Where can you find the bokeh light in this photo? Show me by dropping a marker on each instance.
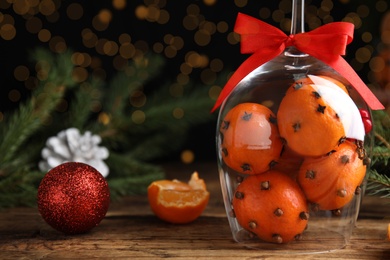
(198, 29)
(119, 4)
(187, 156)
(75, 11)
(21, 73)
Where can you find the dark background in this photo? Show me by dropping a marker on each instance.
(15, 52)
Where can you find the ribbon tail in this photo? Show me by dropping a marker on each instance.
(250, 64)
(342, 67)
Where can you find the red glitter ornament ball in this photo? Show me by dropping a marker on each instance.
(73, 198)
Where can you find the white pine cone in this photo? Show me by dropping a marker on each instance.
(70, 146)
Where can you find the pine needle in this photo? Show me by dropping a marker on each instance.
(124, 84)
(378, 185)
(23, 123)
(132, 144)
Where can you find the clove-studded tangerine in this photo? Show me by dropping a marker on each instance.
(250, 140)
(307, 122)
(330, 182)
(320, 80)
(272, 206)
(289, 162)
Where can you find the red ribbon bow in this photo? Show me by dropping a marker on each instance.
(326, 43)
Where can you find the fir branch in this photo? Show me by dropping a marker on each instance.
(378, 178)
(81, 104)
(123, 133)
(381, 147)
(158, 145)
(381, 121)
(129, 176)
(382, 140)
(56, 69)
(16, 130)
(161, 132)
(131, 145)
(378, 185)
(26, 121)
(380, 154)
(195, 107)
(122, 164)
(158, 117)
(19, 188)
(139, 71)
(18, 182)
(134, 185)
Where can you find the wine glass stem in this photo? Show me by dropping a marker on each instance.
(298, 17)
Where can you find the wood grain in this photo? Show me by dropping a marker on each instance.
(131, 231)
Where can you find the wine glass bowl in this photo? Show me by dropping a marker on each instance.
(267, 86)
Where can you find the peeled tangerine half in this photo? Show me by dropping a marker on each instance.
(251, 142)
(388, 232)
(178, 202)
(316, 115)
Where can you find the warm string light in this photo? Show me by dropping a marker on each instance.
(195, 29)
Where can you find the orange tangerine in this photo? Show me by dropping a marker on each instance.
(319, 79)
(178, 202)
(308, 124)
(272, 206)
(289, 162)
(388, 232)
(330, 182)
(250, 141)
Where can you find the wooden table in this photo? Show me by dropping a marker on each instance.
(131, 231)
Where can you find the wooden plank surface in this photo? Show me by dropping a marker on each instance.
(131, 231)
